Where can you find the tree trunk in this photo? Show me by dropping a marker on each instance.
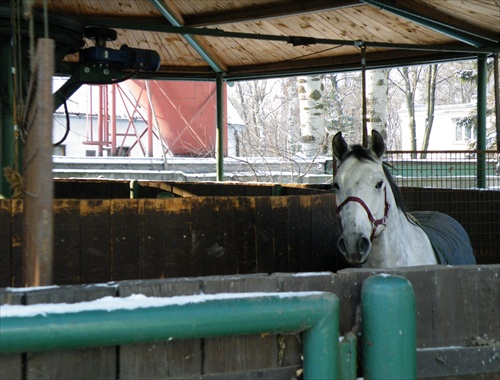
(377, 87)
(291, 105)
(410, 104)
(312, 129)
(431, 100)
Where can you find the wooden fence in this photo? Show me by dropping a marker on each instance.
(457, 327)
(122, 239)
(100, 240)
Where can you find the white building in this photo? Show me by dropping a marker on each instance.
(445, 133)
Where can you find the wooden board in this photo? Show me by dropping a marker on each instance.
(86, 363)
(125, 231)
(240, 353)
(178, 359)
(264, 242)
(67, 242)
(212, 225)
(95, 241)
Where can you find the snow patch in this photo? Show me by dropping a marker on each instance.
(134, 301)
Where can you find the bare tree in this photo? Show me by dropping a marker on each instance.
(410, 78)
(431, 101)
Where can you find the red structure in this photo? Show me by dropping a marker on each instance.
(185, 113)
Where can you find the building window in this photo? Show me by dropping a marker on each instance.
(465, 130)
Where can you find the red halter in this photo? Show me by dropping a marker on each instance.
(375, 222)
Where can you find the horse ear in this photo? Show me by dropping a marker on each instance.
(377, 144)
(339, 146)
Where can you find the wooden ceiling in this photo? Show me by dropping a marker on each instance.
(245, 39)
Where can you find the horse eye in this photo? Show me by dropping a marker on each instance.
(379, 185)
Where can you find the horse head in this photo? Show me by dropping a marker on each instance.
(362, 190)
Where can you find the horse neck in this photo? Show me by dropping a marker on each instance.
(392, 248)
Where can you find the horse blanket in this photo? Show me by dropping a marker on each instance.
(448, 238)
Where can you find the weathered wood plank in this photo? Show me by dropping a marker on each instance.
(264, 235)
(280, 233)
(95, 241)
(87, 363)
(211, 224)
(240, 353)
(157, 360)
(165, 246)
(67, 242)
(448, 308)
(178, 235)
(125, 234)
(300, 234)
(457, 361)
(284, 373)
(481, 296)
(5, 243)
(243, 240)
(325, 231)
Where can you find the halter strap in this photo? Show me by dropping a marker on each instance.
(375, 222)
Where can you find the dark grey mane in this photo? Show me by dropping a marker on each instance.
(364, 154)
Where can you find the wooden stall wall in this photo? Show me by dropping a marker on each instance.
(101, 240)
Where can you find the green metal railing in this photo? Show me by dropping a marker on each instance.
(388, 318)
(316, 314)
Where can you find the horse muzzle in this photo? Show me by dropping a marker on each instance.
(355, 250)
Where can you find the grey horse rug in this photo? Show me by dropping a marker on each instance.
(448, 238)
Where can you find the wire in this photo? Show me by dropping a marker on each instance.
(67, 126)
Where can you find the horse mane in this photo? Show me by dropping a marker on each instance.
(364, 154)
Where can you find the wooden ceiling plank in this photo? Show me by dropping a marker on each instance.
(468, 10)
(430, 21)
(198, 42)
(391, 29)
(261, 12)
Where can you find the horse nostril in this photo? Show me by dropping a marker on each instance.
(363, 245)
(342, 246)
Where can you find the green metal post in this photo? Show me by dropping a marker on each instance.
(348, 357)
(219, 149)
(6, 114)
(315, 313)
(481, 121)
(389, 328)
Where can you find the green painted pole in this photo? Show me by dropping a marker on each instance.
(389, 328)
(219, 148)
(481, 121)
(315, 313)
(348, 365)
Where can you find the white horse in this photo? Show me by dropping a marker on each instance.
(377, 231)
